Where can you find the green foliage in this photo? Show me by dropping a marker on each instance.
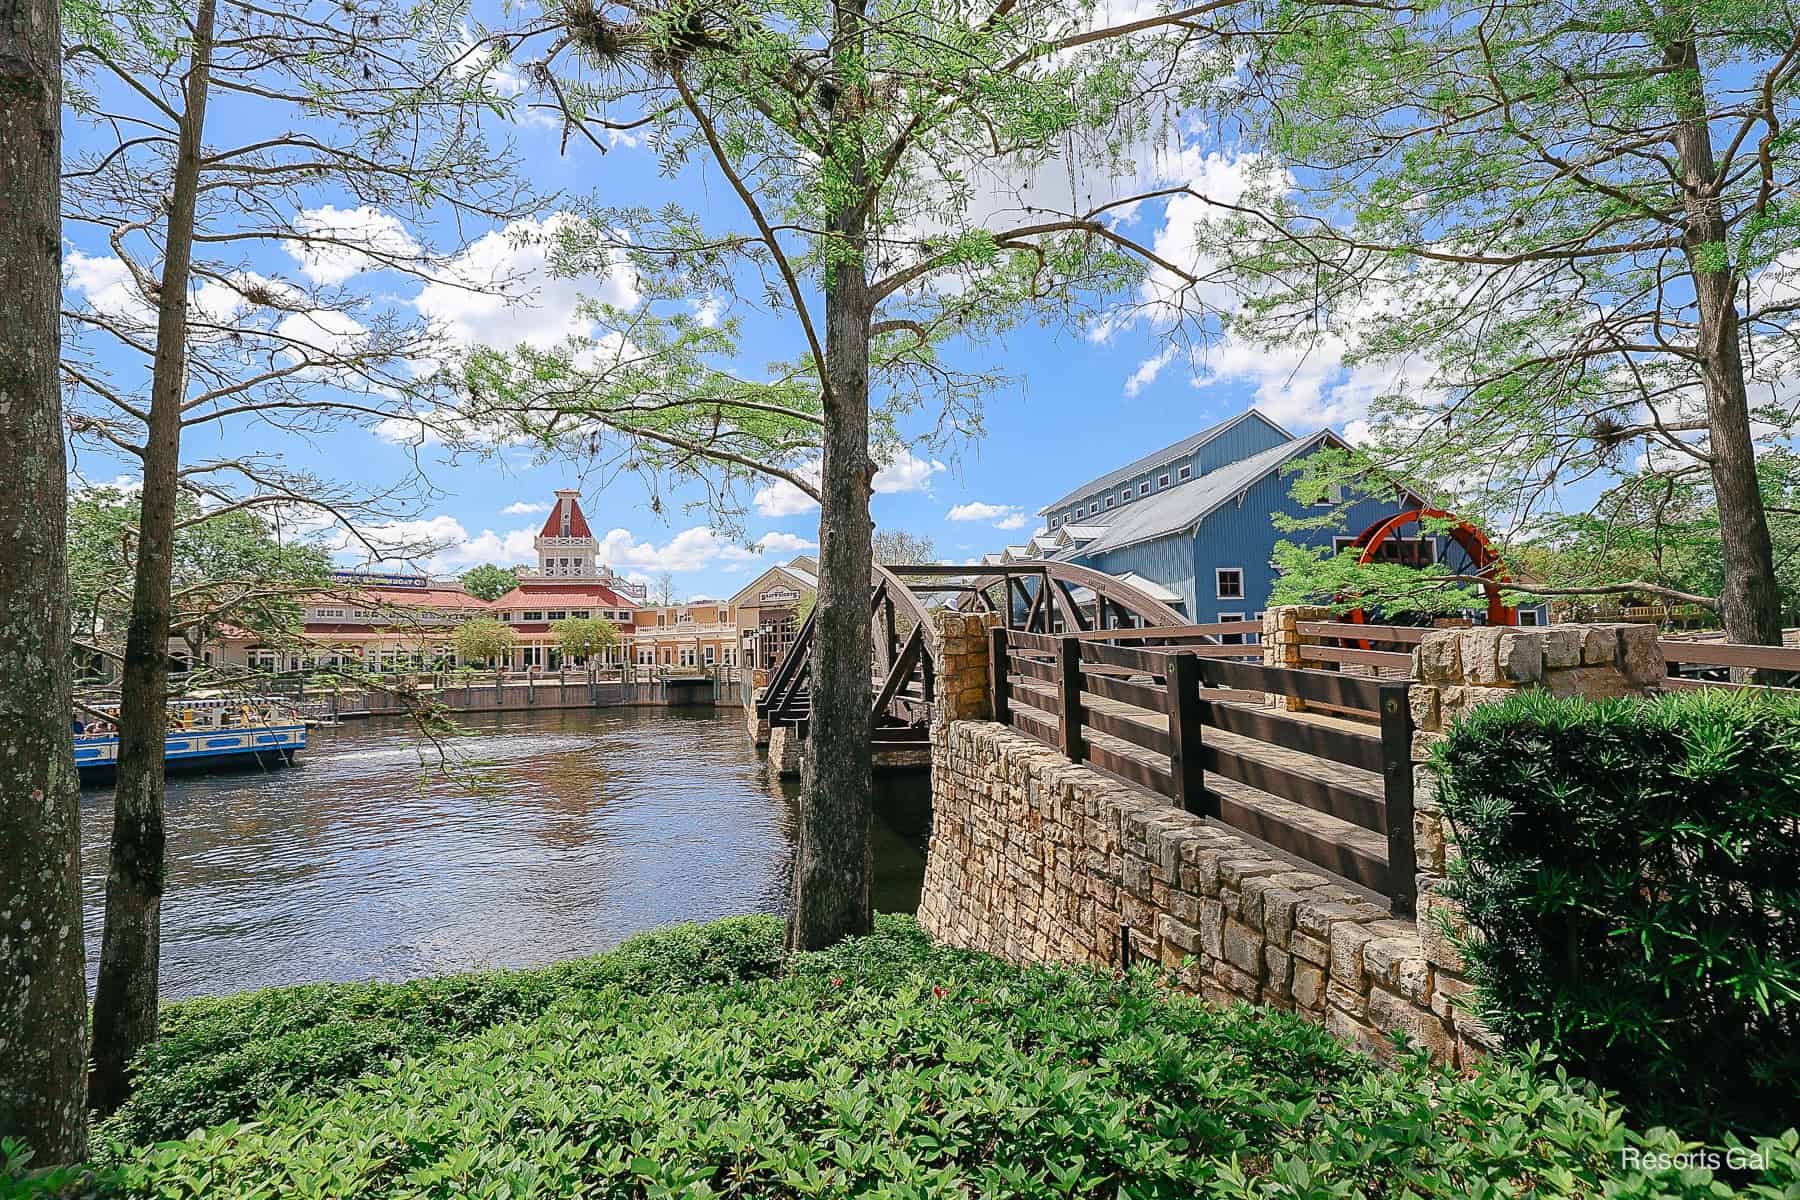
(1478, 211)
(1321, 575)
(687, 1063)
(230, 567)
(1632, 869)
(220, 1059)
(489, 582)
(583, 637)
(483, 640)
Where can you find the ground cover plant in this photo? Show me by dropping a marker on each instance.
(1632, 871)
(687, 1064)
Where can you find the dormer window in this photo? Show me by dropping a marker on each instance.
(1144, 488)
(1162, 481)
(1186, 472)
(1109, 502)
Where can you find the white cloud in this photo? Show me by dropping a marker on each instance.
(521, 508)
(441, 543)
(976, 510)
(905, 473)
(783, 499)
(689, 550)
(784, 543)
(501, 292)
(1002, 516)
(356, 240)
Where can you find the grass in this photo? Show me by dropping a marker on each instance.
(691, 1063)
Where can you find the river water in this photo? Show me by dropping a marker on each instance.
(555, 834)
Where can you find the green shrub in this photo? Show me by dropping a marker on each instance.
(226, 1057)
(1632, 871)
(883, 1068)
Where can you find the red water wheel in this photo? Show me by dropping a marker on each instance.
(1473, 542)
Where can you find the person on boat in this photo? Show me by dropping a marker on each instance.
(78, 727)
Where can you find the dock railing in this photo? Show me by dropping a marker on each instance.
(1142, 713)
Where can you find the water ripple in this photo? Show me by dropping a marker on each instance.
(571, 831)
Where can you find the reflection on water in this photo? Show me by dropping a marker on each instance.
(362, 863)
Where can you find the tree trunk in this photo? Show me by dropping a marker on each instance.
(1751, 599)
(43, 986)
(125, 999)
(832, 865)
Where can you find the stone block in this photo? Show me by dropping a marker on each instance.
(1278, 972)
(1318, 914)
(1382, 957)
(1599, 645)
(1212, 928)
(1347, 942)
(1184, 937)
(1641, 656)
(1562, 647)
(1392, 1013)
(1437, 917)
(1308, 987)
(1423, 700)
(1520, 656)
(1358, 1033)
(1347, 999)
(1438, 657)
(1278, 907)
(1242, 947)
(1591, 683)
(1481, 655)
(1312, 949)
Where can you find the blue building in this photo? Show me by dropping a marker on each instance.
(1194, 519)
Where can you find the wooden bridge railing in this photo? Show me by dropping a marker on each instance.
(1142, 714)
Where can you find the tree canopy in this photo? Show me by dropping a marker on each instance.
(584, 637)
(1551, 242)
(489, 582)
(483, 640)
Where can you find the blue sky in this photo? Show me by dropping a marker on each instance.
(1077, 406)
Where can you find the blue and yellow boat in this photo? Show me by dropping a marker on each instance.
(239, 731)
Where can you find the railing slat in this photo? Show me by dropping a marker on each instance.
(1155, 740)
(1337, 745)
(1327, 687)
(1132, 770)
(1140, 695)
(1343, 858)
(1360, 808)
(1348, 654)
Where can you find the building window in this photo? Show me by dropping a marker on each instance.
(710, 652)
(555, 614)
(1528, 617)
(1331, 495)
(1162, 481)
(1186, 472)
(1144, 488)
(1230, 582)
(1124, 497)
(1053, 522)
(1231, 639)
(1109, 502)
(537, 615)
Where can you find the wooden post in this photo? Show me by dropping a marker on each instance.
(1068, 695)
(1186, 735)
(997, 673)
(1397, 775)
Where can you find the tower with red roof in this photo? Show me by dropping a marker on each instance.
(566, 547)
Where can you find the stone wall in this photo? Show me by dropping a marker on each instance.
(1037, 859)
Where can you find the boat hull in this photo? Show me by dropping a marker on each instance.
(200, 750)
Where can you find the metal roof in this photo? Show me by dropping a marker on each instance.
(1187, 504)
(1185, 446)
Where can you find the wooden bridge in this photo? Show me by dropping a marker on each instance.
(1038, 597)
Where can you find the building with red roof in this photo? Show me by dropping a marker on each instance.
(380, 620)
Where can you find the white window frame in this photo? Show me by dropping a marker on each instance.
(1219, 583)
(1333, 495)
(1124, 497)
(1231, 639)
(1162, 481)
(1531, 624)
(1144, 488)
(1109, 502)
(1186, 472)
